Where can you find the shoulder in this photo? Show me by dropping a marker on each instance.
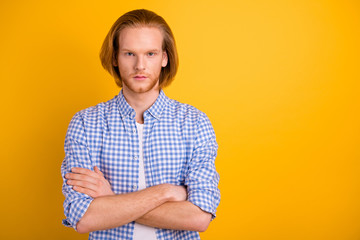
(94, 112)
(186, 111)
(94, 115)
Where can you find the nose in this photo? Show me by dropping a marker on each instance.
(140, 63)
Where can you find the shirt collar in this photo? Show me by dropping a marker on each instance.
(155, 110)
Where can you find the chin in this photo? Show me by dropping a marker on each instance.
(144, 88)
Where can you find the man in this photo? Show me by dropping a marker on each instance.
(140, 166)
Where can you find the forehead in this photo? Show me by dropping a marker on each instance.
(138, 38)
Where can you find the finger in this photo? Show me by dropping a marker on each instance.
(85, 191)
(84, 171)
(96, 169)
(82, 177)
(82, 184)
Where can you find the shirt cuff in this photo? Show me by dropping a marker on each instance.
(206, 200)
(75, 211)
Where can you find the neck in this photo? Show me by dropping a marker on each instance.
(140, 102)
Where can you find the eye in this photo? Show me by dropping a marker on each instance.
(151, 54)
(129, 54)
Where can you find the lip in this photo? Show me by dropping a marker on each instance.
(140, 77)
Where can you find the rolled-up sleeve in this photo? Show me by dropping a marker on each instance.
(202, 179)
(76, 155)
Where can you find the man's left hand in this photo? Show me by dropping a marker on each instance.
(92, 183)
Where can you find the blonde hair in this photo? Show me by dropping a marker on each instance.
(139, 18)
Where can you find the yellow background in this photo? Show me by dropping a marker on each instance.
(278, 79)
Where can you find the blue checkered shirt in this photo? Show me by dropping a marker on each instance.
(179, 148)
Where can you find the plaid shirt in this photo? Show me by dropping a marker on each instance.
(179, 148)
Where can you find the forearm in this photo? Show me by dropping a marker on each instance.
(178, 216)
(113, 211)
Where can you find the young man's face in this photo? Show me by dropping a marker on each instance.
(140, 58)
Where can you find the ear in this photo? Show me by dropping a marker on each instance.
(164, 59)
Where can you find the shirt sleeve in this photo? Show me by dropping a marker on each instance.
(202, 179)
(76, 155)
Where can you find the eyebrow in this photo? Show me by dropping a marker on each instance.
(128, 50)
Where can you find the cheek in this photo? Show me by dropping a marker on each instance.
(124, 66)
(157, 65)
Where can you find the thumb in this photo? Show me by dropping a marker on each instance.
(96, 169)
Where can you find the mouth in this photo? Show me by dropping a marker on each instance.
(140, 77)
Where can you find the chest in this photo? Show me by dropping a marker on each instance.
(166, 152)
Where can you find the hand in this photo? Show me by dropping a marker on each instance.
(175, 193)
(92, 183)
(180, 193)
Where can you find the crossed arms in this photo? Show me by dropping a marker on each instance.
(161, 206)
(91, 205)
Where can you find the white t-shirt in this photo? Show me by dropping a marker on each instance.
(142, 232)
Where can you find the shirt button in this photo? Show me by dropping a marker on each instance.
(134, 131)
(135, 157)
(134, 187)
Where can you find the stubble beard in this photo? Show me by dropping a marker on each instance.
(151, 84)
